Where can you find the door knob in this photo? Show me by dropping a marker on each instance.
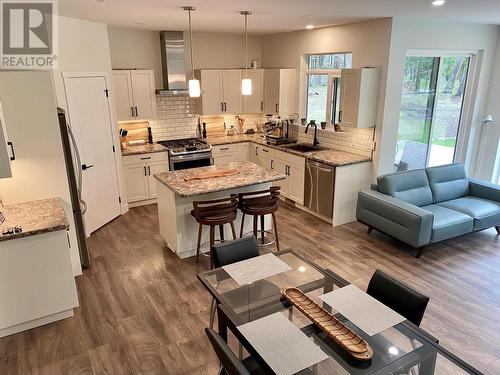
(85, 166)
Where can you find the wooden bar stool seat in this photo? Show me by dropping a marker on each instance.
(259, 204)
(216, 212)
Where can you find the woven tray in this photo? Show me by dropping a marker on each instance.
(212, 174)
(348, 340)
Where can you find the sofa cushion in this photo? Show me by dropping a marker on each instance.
(448, 182)
(448, 223)
(411, 187)
(486, 213)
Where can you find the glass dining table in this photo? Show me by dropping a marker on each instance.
(401, 349)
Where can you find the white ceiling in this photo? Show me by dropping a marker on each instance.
(270, 16)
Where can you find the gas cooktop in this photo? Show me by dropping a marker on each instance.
(186, 146)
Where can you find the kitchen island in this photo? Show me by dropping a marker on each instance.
(176, 195)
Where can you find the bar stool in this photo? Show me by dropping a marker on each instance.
(216, 212)
(258, 204)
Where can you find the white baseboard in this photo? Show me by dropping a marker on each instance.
(36, 323)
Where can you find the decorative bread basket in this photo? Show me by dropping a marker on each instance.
(348, 340)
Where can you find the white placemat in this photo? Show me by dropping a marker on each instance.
(361, 309)
(258, 268)
(284, 347)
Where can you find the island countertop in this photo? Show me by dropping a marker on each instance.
(250, 174)
(34, 217)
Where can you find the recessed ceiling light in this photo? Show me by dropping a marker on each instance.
(310, 27)
(438, 3)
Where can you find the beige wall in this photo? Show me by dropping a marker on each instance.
(141, 49)
(368, 41)
(408, 33)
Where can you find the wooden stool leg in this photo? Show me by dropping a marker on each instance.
(255, 226)
(233, 229)
(276, 231)
(262, 228)
(198, 244)
(212, 241)
(221, 232)
(242, 225)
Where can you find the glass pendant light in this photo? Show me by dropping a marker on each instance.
(246, 83)
(194, 84)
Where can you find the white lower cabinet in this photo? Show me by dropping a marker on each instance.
(224, 154)
(293, 167)
(139, 173)
(244, 151)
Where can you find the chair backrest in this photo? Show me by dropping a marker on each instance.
(263, 201)
(216, 211)
(448, 182)
(398, 296)
(411, 186)
(228, 360)
(229, 252)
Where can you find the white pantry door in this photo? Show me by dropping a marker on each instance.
(89, 117)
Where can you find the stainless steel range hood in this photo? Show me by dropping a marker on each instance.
(173, 63)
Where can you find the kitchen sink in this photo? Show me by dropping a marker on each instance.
(302, 147)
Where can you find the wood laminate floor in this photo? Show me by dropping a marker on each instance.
(142, 310)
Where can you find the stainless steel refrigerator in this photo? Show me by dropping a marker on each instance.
(74, 173)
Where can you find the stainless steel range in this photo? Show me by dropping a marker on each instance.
(188, 153)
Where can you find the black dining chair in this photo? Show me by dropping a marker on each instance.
(229, 252)
(230, 364)
(398, 296)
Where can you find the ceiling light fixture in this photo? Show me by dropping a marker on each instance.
(438, 3)
(310, 27)
(246, 83)
(194, 84)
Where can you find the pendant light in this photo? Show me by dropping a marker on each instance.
(246, 83)
(194, 84)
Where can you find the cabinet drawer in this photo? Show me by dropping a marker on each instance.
(224, 149)
(140, 159)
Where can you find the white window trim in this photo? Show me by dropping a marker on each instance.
(332, 74)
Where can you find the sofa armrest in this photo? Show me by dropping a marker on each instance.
(399, 219)
(485, 190)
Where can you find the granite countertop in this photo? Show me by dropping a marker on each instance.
(250, 174)
(144, 149)
(34, 217)
(336, 158)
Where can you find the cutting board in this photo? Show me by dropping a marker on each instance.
(215, 125)
(137, 131)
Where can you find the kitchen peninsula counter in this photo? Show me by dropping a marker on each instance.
(176, 195)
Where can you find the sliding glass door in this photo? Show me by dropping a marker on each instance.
(431, 110)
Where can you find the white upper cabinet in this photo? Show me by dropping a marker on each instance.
(359, 97)
(254, 103)
(134, 94)
(231, 90)
(280, 91)
(6, 148)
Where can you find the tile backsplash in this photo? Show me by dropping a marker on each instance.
(176, 119)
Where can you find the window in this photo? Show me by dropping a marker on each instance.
(432, 100)
(323, 85)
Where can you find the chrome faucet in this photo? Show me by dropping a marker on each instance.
(315, 140)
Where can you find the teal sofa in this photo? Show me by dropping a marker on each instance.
(425, 206)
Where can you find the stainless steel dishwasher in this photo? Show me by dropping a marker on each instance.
(318, 188)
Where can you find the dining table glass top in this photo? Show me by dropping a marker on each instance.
(397, 350)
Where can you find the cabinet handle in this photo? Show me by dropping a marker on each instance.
(277, 107)
(261, 106)
(265, 150)
(256, 151)
(272, 164)
(222, 107)
(225, 107)
(136, 112)
(13, 157)
(145, 171)
(146, 158)
(149, 170)
(132, 109)
(224, 148)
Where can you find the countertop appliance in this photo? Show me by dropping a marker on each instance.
(319, 188)
(74, 173)
(188, 153)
